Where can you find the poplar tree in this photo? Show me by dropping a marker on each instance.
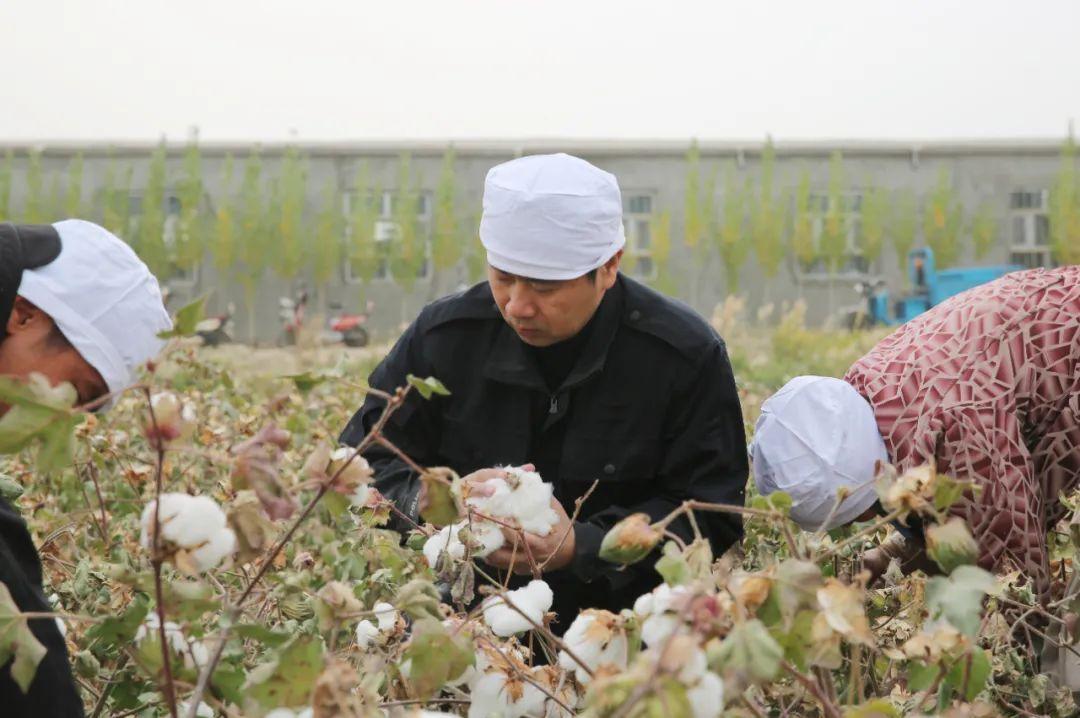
(224, 248)
(984, 228)
(150, 243)
(447, 242)
(905, 227)
(189, 238)
(732, 240)
(251, 244)
(6, 172)
(292, 184)
(407, 251)
(363, 213)
(834, 230)
(326, 242)
(875, 214)
(767, 225)
(35, 189)
(802, 231)
(1065, 207)
(943, 222)
(660, 230)
(73, 206)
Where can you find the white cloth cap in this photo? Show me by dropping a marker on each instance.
(813, 436)
(551, 217)
(103, 298)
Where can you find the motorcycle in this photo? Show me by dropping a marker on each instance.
(340, 328)
(215, 330)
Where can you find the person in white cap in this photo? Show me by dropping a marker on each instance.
(560, 362)
(77, 306)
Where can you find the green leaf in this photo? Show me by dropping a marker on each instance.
(749, 650)
(951, 544)
(879, 708)
(16, 640)
(978, 674)
(958, 597)
(262, 634)
(307, 380)
(186, 319)
(794, 588)
(39, 411)
(672, 566)
(288, 677)
(442, 507)
(922, 675)
(427, 387)
(437, 656)
(10, 489)
(121, 631)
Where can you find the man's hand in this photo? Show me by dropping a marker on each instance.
(558, 546)
(476, 477)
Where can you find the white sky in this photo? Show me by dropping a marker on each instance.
(357, 69)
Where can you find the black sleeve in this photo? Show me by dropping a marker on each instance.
(705, 459)
(52, 692)
(414, 427)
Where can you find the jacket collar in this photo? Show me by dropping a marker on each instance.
(509, 362)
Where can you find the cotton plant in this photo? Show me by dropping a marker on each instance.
(170, 420)
(350, 474)
(599, 640)
(485, 538)
(660, 612)
(533, 600)
(386, 621)
(193, 531)
(194, 653)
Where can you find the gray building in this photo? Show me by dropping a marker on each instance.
(1012, 178)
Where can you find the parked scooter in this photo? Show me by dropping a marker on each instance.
(341, 328)
(215, 330)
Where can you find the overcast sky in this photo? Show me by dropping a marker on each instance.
(356, 69)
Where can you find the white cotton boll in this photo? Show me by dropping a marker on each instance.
(488, 535)
(491, 697)
(533, 600)
(290, 713)
(63, 629)
(707, 697)
(211, 553)
(366, 633)
(387, 616)
(203, 711)
(360, 496)
(171, 505)
(656, 629)
(198, 521)
(644, 604)
(595, 647)
(694, 668)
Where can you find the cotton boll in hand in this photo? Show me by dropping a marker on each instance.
(533, 600)
(523, 497)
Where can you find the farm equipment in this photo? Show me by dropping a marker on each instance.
(929, 287)
(341, 328)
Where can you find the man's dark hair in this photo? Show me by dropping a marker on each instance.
(592, 275)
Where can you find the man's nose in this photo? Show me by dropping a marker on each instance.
(520, 305)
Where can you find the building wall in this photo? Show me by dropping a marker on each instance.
(986, 172)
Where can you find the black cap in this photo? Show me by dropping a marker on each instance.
(22, 246)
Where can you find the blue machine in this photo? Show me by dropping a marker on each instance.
(928, 289)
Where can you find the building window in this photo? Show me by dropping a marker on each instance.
(386, 231)
(849, 212)
(1030, 228)
(637, 222)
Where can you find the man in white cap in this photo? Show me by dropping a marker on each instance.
(561, 362)
(77, 306)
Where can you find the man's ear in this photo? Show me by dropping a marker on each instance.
(610, 270)
(24, 315)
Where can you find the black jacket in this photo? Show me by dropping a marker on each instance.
(650, 410)
(52, 692)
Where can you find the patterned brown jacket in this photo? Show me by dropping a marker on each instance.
(986, 385)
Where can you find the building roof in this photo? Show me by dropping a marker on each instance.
(581, 146)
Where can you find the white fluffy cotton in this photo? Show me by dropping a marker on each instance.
(203, 711)
(290, 713)
(533, 600)
(489, 535)
(524, 498)
(193, 523)
(656, 610)
(491, 697)
(707, 696)
(194, 652)
(594, 645)
(386, 617)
